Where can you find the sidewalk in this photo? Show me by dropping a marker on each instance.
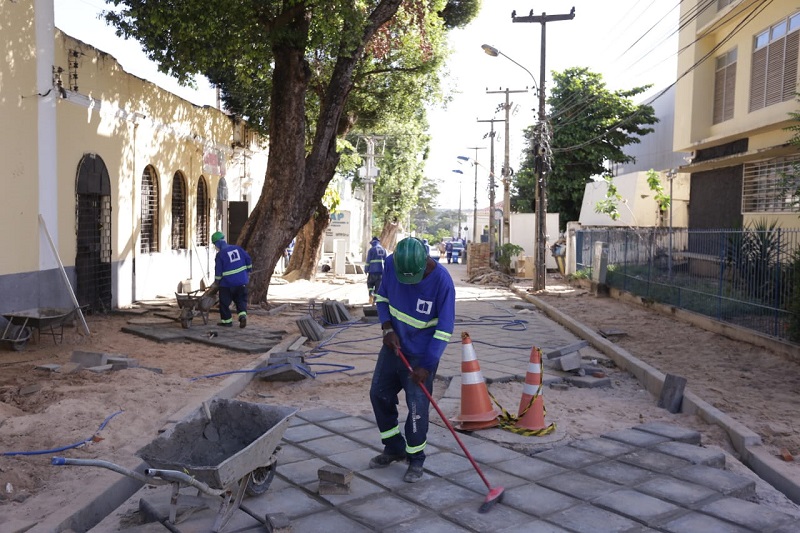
(652, 477)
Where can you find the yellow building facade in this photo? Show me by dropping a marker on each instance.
(738, 81)
(127, 180)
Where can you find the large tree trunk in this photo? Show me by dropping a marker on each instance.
(389, 234)
(296, 179)
(307, 246)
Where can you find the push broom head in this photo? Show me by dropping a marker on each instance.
(495, 496)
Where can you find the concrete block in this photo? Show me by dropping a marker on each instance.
(278, 523)
(87, 359)
(335, 474)
(570, 362)
(121, 363)
(100, 369)
(49, 368)
(29, 389)
(564, 350)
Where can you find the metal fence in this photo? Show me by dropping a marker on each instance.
(748, 277)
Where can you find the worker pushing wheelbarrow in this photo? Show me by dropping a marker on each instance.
(224, 449)
(196, 303)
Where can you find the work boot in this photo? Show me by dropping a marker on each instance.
(414, 473)
(385, 459)
(225, 324)
(243, 321)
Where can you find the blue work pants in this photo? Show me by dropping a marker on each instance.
(390, 377)
(237, 295)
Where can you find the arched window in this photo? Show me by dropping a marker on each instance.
(149, 240)
(202, 212)
(178, 212)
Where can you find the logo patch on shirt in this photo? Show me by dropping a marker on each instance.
(233, 255)
(424, 307)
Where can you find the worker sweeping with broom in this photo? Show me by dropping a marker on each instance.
(416, 306)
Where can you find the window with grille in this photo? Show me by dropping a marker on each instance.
(772, 186)
(149, 222)
(724, 86)
(202, 212)
(178, 212)
(774, 72)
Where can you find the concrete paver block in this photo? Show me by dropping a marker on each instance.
(291, 501)
(585, 519)
(748, 514)
(682, 434)
(579, 485)
(677, 491)
(701, 522)
(335, 474)
(89, 359)
(693, 454)
(359, 489)
(638, 506)
(328, 521)
(381, 511)
(619, 473)
(467, 515)
(728, 483)
(347, 425)
(437, 493)
(569, 362)
(636, 438)
(655, 461)
(604, 447)
(538, 501)
(329, 445)
(570, 457)
(325, 488)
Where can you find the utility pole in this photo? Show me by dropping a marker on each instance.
(475, 202)
(543, 154)
(506, 171)
(491, 192)
(370, 171)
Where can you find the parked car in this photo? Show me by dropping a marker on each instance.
(458, 251)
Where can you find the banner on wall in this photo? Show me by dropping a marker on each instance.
(338, 228)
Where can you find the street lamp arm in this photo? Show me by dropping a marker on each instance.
(494, 52)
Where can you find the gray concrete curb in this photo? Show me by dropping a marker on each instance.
(91, 506)
(746, 442)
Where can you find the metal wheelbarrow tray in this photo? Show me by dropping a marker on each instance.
(38, 318)
(224, 448)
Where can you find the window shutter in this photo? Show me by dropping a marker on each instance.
(790, 65)
(719, 96)
(774, 87)
(758, 79)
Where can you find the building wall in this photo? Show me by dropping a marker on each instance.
(757, 136)
(101, 112)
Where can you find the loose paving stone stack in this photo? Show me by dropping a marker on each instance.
(286, 366)
(309, 328)
(335, 312)
(334, 480)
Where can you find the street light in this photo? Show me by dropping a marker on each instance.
(494, 52)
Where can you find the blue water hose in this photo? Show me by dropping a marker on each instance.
(77, 444)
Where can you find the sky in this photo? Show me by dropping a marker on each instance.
(629, 42)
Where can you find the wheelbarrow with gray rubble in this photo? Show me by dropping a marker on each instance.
(225, 448)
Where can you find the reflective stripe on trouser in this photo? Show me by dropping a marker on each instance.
(228, 295)
(390, 377)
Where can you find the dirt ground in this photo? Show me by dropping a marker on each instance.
(42, 411)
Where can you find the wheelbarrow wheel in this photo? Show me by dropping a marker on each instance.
(19, 339)
(260, 479)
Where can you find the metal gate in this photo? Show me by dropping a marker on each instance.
(93, 258)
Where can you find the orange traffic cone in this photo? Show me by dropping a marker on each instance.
(476, 407)
(531, 406)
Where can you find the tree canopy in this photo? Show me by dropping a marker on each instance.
(302, 71)
(590, 126)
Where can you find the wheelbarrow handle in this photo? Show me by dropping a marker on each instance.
(60, 461)
(182, 477)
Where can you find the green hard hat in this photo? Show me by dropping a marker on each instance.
(218, 236)
(410, 259)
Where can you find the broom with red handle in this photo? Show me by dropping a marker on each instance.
(495, 493)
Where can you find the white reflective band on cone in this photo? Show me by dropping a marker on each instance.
(535, 368)
(471, 378)
(529, 389)
(468, 353)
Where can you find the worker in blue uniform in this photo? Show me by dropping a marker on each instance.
(416, 307)
(232, 268)
(374, 267)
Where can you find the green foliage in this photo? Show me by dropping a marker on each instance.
(654, 182)
(794, 301)
(591, 126)
(755, 256)
(613, 197)
(505, 254)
